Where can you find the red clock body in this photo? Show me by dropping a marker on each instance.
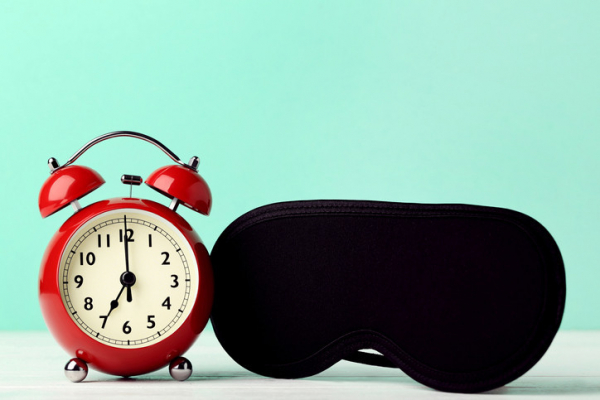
(117, 327)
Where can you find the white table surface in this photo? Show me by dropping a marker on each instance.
(32, 367)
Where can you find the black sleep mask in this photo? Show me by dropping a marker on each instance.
(461, 298)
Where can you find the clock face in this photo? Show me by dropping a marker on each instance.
(128, 278)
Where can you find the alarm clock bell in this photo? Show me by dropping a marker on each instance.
(66, 186)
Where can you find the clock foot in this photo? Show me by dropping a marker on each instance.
(180, 369)
(76, 370)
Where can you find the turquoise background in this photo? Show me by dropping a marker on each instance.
(493, 103)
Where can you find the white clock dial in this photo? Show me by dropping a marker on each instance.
(106, 255)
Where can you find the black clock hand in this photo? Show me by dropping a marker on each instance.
(126, 240)
(113, 304)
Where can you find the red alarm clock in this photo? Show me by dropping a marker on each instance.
(126, 284)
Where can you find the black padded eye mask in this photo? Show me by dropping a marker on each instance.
(461, 298)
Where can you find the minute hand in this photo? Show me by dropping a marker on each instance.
(126, 240)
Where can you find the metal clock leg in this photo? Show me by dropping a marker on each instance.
(180, 369)
(76, 370)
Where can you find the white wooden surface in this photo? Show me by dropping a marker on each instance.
(32, 367)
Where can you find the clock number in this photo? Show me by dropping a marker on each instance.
(126, 328)
(105, 317)
(90, 258)
(100, 240)
(151, 323)
(175, 283)
(166, 261)
(129, 235)
(167, 303)
(149, 240)
(88, 303)
(78, 280)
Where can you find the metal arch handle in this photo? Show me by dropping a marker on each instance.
(115, 134)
